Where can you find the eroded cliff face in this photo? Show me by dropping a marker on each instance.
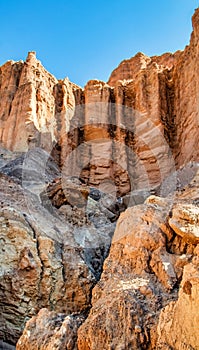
(31, 103)
(186, 106)
(132, 131)
(125, 135)
(173, 94)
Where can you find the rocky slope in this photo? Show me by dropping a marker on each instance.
(72, 160)
(147, 296)
(52, 250)
(153, 246)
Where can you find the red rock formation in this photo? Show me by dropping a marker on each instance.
(128, 69)
(41, 264)
(30, 98)
(186, 99)
(128, 134)
(178, 322)
(175, 102)
(133, 131)
(135, 304)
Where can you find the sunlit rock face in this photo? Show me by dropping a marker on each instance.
(132, 131)
(72, 160)
(147, 297)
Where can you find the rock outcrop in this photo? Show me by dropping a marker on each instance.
(41, 264)
(128, 69)
(30, 97)
(176, 79)
(72, 160)
(147, 295)
(132, 131)
(50, 331)
(51, 257)
(136, 304)
(178, 322)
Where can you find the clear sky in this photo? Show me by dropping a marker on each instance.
(87, 39)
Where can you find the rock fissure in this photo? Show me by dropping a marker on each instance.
(42, 267)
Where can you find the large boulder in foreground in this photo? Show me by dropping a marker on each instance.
(50, 330)
(178, 322)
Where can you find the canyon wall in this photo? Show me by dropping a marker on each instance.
(127, 134)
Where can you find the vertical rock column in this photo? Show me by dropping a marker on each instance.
(96, 133)
(64, 113)
(151, 147)
(27, 105)
(187, 99)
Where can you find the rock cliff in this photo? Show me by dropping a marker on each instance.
(144, 121)
(72, 159)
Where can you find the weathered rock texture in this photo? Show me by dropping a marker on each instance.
(133, 131)
(30, 97)
(125, 135)
(50, 331)
(138, 304)
(172, 100)
(41, 266)
(50, 257)
(147, 297)
(178, 322)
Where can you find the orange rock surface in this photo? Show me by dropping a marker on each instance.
(127, 136)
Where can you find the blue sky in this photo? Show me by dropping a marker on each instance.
(88, 39)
